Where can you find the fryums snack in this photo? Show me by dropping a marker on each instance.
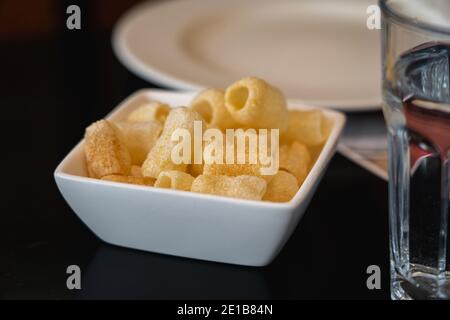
(234, 170)
(210, 104)
(174, 180)
(237, 168)
(139, 138)
(130, 179)
(254, 103)
(159, 158)
(305, 127)
(136, 171)
(195, 169)
(281, 188)
(140, 149)
(105, 151)
(295, 159)
(152, 110)
(245, 187)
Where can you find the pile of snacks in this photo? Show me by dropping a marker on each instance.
(138, 149)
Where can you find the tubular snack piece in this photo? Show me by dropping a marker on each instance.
(239, 169)
(282, 187)
(139, 138)
(196, 169)
(159, 158)
(305, 127)
(136, 171)
(245, 187)
(174, 180)
(254, 103)
(235, 170)
(105, 152)
(295, 159)
(153, 110)
(210, 104)
(130, 179)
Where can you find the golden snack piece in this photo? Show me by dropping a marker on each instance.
(238, 169)
(306, 127)
(282, 187)
(130, 180)
(196, 169)
(210, 104)
(254, 103)
(295, 159)
(139, 138)
(235, 170)
(136, 171)
(174, 180)
(153, 110)
(159, 158)
(244, 187)
(105, 152)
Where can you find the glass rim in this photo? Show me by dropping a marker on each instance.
(410, 22)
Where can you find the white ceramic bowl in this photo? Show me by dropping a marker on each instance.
(182, 223)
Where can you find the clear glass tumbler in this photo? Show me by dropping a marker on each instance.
(416, 106)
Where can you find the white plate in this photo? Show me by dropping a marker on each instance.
(184, 223)
(317, 52)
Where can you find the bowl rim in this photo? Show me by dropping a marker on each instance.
(315, 172)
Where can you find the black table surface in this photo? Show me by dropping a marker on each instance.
(51, 90)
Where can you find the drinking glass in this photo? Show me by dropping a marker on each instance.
(416, 107)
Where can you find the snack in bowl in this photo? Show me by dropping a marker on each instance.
(244, 124)
(159, 157)
(253, 102)
(174, 180)
(130, 179)
(139, 138)
(106, 154)
(210, 104)
(149, 111)
(245, 187)
(233, 217)
(282, 187)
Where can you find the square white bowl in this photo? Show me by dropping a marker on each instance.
(183, 223)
